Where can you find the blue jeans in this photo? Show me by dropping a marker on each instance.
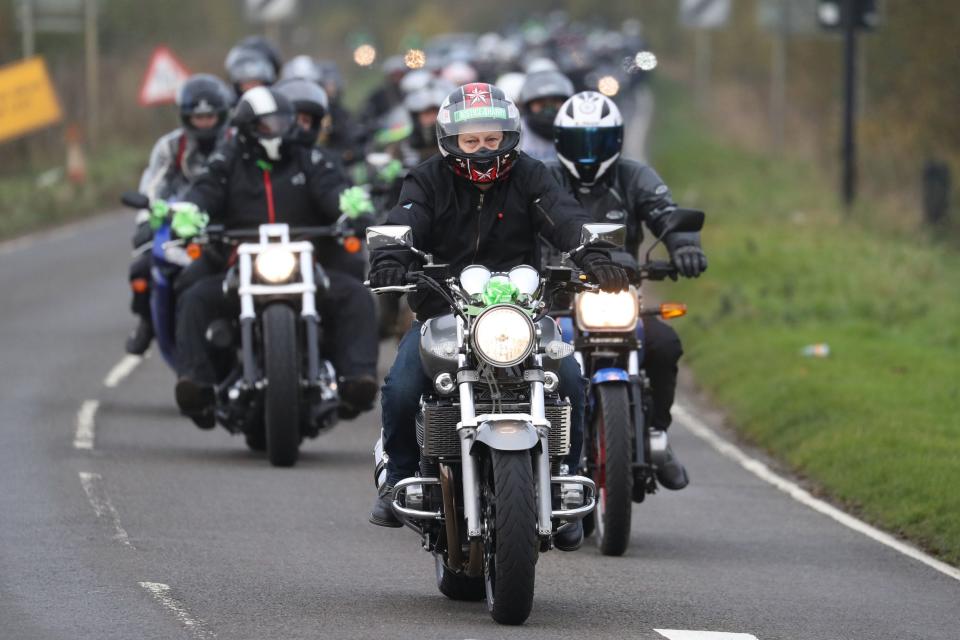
(400, 399)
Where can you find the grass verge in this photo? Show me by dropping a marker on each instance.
(876, 424)
(27, 205)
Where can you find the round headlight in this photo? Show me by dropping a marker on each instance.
(602, 311)
(275, 265)
(503, 335)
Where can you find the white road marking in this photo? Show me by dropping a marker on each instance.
(121, 370)
(100, 501)
(161, 592)
(802, 496)
(85, 425)
(680, 634)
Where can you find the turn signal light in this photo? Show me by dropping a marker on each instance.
(194, 250)
(670, 310)
(139, 285)
(352, 244)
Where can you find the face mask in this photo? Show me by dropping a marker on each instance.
(272, 147)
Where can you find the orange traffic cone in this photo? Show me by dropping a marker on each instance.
(76, 161)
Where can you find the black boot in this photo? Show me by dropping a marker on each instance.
(569, 536)
(382, 514)
(671, 474)
(357, 395)
(196, 401)
(140, 338)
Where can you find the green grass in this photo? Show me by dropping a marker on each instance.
(876, 424)
(25, 206)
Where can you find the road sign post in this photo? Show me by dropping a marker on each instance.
(702, 16)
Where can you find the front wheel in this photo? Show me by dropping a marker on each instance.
(511, 546)
(282, 396)
(613, 468)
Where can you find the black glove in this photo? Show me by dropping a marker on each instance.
(387, 273)
(607, 273)
(685, 253)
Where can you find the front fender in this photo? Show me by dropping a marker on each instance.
(507, 434)
(610, 375)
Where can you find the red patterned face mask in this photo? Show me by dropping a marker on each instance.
(485, 170)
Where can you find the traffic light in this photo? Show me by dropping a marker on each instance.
(833, 14)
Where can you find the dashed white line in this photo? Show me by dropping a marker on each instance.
(161, 592)
(100, 501)
(802, 496)
(83, 439)
(121, 370)
(681, 634)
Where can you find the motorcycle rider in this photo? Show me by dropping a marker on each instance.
(589, 138)
(482, 201)
(261, 176)
(203, 102)
(249, 67)
(540, 98)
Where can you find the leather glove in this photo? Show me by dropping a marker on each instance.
(607, 273)
(387, 273)
(685, 253)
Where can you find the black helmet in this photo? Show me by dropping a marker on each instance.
(204, 94)
(538, 86)
(307, 97)
(266, 48)
(245, 64)
(476, 107)
(264, 118)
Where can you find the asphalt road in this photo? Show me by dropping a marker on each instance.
(159, 530)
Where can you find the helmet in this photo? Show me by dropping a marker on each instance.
(264, 119)
(301, 67)
(459, 73)
(472, 108)
(306, 97)
(538, 86)
(204, 94)
(415, 80)
(588, 134)
(416, 103)
(538, 64)
(330, 78)
(511, 83)
(265, 48)
(244, 64)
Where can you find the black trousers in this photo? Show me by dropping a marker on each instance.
(346, 309)
(661, 353)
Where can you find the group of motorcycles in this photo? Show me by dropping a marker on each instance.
(493, 489)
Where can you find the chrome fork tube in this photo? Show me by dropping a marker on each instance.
(471, 493)
(541, 459)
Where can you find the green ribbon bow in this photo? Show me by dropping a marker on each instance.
(188, 221)
(159, 210)
(355, 202)
(499, 292)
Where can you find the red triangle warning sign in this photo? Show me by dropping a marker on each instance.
(164, 76)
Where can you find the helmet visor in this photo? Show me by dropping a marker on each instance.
(586, 145)
(273, 125)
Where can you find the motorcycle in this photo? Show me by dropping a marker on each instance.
(493, 431)
(276, 389)
(621, 448)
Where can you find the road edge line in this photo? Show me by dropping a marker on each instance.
(85, 431)
(762, 471)
(161, 593)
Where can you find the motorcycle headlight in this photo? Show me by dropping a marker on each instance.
(503, 335)
(601, 311)
(275, 265)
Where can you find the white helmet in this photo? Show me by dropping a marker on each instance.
(588, 134)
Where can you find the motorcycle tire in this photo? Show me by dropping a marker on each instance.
(613, 474)
(281, 406)
(510, 557)
(457, 586)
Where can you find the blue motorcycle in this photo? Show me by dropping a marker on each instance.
(621, 450)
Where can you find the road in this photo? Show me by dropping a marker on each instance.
(119, 519)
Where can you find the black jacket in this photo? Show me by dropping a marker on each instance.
(498, 228)
(305, 185)
(630, 193)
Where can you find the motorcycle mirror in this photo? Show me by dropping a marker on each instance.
(389, 235)
(683, 220)
(605, 235)
(135, 200)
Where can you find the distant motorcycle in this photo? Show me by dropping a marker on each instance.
(493, 431)
(621, 448)
(278, 389)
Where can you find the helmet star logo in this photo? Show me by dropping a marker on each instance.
(478, 96)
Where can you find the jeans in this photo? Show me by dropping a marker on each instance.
(400, 400)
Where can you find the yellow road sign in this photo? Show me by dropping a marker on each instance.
(27, 98)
